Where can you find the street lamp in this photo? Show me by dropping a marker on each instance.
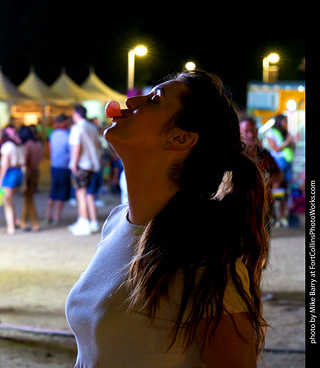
(190, 65)
(139, 51)
(267, 69)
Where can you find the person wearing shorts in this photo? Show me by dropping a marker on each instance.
(81, 178)
(60, 172)
(84, 162)
(12, 159)
(13, 178)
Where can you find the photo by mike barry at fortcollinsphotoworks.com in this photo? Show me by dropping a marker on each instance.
(311, 273)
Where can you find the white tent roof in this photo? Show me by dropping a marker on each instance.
(68, 89)
(94, 84)
(33, 86)
(9, 92)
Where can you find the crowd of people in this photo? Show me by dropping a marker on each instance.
(78, 156)
(21, 153)
(275, 162)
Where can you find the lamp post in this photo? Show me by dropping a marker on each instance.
(140, 51)
(267, 69)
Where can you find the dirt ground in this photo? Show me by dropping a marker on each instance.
(37, 271)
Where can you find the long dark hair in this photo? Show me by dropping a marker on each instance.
(26, 134)
(278, 125)
(216, 218)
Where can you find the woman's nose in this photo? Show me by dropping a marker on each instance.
(129, 103)
(133, 102)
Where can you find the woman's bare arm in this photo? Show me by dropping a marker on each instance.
(232, 344)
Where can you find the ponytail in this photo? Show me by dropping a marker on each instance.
(215, 218)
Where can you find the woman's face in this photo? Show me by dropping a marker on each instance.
(140, 129)
(248, 133)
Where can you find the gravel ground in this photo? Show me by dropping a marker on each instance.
(38, 270)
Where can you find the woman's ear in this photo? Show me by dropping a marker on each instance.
(180, 140)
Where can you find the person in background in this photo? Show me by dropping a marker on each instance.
(175, 281)
(60, 173)
(33, 153)
(95, 183)
(282, 149)
(262, 157)
(11, 176)
(84, 162)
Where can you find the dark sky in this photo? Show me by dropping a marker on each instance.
(229, 41)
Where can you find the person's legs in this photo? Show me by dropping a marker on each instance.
(51, 199)
(33, 213)
(92, 191)
(34, 179)
(25, 210)
(92, 211)
(80, 181)
(59, 209)
(49, 209)
(9, 211)
(81, 194)
(10, 183)
(60, 193)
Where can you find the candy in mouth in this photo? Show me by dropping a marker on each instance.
(113, 109)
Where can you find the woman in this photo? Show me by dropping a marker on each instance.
(282, 149)
(33, 152)
(12, 160)
(175, 280)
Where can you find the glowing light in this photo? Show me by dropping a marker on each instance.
(291, 105)
(190, 65)
(30, 118)
(273, 58)
(140, 50)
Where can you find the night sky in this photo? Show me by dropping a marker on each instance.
(230, 42)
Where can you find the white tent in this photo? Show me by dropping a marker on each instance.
(94, 84)
(9, 92)
(33, 86)
(9, 95)
(68, 89)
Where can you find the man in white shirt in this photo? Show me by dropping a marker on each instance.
(84, 161)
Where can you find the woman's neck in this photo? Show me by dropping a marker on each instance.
(149, 191)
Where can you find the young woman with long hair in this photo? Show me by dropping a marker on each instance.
(11, 176)
(175, 281)
(282, 146)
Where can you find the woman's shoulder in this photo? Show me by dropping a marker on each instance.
(8, 147)
(116, 219)
(233, 301)
(117, 211)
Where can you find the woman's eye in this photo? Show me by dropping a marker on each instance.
(154, 99)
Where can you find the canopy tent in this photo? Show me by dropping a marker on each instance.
(33, 86)
(94, 84)
(33, 99)
(9, 92)
(9, 95)
(69, 90)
